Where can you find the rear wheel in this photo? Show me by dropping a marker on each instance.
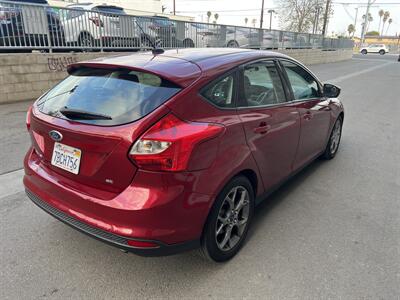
(334, 140)
(382, 52)
(229, 220)
(363, 51)
(232, 44)
(188, 43)
(86, 41)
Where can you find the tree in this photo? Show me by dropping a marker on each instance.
(300, 15)
(386, 16)
(351, 29)
(246, 20)
(389, 22)
(372, 33)
(216, 16)
(367, 21)
(254, 21)
(208, 16)
(380, 13)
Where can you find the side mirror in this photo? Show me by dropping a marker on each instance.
(331, 91)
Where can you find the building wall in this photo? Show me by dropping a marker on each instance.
(27, 76)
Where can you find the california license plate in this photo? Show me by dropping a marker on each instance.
(66, 158)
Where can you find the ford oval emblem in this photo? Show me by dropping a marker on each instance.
(55, 135)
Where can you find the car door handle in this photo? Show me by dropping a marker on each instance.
(262, 128)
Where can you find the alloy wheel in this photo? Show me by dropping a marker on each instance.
(335, 137)
(232, 218)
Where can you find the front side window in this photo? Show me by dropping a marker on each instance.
(106, 96)
(262, 84)
(220, 92)
(303, 84)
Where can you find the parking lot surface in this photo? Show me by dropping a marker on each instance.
(333, 231)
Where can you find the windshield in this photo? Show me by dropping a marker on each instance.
(123, 95)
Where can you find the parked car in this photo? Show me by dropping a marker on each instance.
(159, 30)
(375, 48)
(29, 23)
(92, 25)
(161, 153)
(234, 37)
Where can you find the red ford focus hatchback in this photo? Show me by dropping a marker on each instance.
(157, 154)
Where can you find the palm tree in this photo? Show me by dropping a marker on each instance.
(370, 19)
(386, 16)
(389, 22)
(254, 21)
(350, 29)
(216, 16)
(380, 13)
(208, 16)
(246, 20)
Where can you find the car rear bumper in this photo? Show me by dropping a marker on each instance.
(145, 211)
(113, 239)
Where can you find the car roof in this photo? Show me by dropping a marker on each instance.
(183, 66)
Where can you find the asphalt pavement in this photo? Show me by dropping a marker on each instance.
(333, 231)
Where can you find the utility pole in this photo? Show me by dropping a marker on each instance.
(174, 8)
(270, 11)
(328, 3)
(370, 2)
(355, 21)
(262, 14)
(316, 20)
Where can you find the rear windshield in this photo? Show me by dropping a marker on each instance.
(163, 22)
(122, 95)
(110, 9)
(31, 1)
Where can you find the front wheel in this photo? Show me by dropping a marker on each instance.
(229, 220)
(382, 52)
(364, 51)
(334, 140)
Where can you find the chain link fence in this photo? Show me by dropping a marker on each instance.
(88, 27)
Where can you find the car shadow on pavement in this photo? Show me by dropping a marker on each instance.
(281, 194)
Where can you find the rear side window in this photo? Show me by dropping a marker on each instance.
(220, 92)
(122, 95)
(262, 84)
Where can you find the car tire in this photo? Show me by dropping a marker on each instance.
(188, 43)
(334, 140)
(232, 44)
(228, 221)
(364, 51)
(382, 52)
(86, 40)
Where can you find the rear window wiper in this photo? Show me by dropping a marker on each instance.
(78, 114)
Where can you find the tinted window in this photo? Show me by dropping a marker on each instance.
(31, 1)
(221, 92)
(124, 95)
(303, 83)
(110, 9)
(78, 11)
(262, 84)
(163, 22)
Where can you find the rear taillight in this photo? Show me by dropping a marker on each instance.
(97, 21)
(28, 118)
(168, 144)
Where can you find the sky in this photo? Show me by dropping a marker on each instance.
(234, 12)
